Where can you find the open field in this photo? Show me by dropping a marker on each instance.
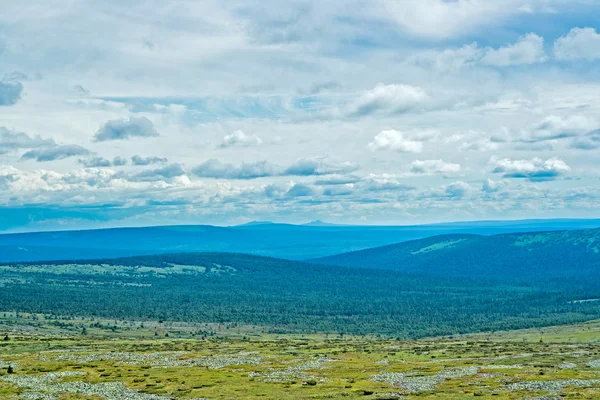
(50, 358)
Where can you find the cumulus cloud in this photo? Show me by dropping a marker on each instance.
(314, 166)
(139, 160)
(449, 59)
(396, 141)
(529, 49)
(534, 170)
(12, 141)
(441, 19)
(120, 129)
(95, 162)
(556, 127)
(216, 169)
(119, 161)
(383, 183)
(430, 167)
(10, 92)
(337, 180)
(318, 166)
(590, 141)
(457, 189)
(53, 153)
(391, 99)
(240, 139)
(578, 44)
(300, 190)
(339, 190)
(490, 186)
(166, 173)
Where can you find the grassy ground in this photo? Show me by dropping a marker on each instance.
(50, 358)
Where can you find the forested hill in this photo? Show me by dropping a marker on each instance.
(289, 296)
(539, 255)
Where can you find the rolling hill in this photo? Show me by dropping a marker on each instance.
(297, 242)
(537, 255)
(289, 296)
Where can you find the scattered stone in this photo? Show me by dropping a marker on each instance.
(415, 384)
(552, 387)
(293, 373)
(48, 383)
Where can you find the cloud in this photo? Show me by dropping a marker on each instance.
(120, 129)
(96, 162)
(429, 167)
(555, 127)
(578, 44)
(160, 174)
(339, 190)
(442, 19)
(534, 170)
(396, 141)
(139, 160)
(300, 190)
(449, 59)
(215, 169)
(383, 183)
(542, 135)
(119, 161)
(240, 139)
(337, 180)
(316, 166)
(391, 99)
(490, 186)
(458, 189)
(12, 141)
(320, 87)
(529, 49)
(53, 153)
(10, 93)
(590, 141)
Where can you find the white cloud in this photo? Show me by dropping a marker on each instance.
(316, 166)
(121, 129)
(56, 152)
(529, 49)
(396, 141)
(10, 92)
(557, 127)
(578, 44)
(13, 141)
(458, 189)
(392, 99)
(240, 139)
(139, 160)
(434, 167)
(535, 169)
(440, 19)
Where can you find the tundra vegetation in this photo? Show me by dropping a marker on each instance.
(48, 357)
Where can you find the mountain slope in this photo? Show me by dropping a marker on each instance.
(543, 255)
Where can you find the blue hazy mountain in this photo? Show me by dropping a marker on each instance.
(534, 255)
(313, 240)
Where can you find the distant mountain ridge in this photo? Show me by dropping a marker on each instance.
(551, 254)
(296, 242)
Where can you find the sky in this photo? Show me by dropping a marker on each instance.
(144, 112)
